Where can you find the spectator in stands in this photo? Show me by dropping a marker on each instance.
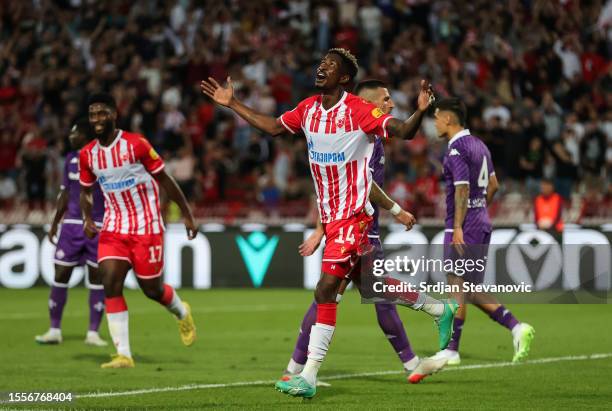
(548, 208)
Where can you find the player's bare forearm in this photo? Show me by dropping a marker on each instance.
(406, 130)
(380, 198)
(86, 202)
(61, 204)
(492, 188)
(260, 121)
(174, 192)
(462, 192)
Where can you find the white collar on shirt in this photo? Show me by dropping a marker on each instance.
(464, 132)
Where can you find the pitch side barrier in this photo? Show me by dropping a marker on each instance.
(259, 256)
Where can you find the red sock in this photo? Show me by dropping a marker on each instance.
(115, 304)
(166, 298)
(409, 297)
(326, 313)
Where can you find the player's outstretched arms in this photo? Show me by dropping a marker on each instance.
(310, 245)
(492, 188)
(61, 204)
(379, 197)
(176, 194)
(224, 96)
(86, 203)
(407, 129)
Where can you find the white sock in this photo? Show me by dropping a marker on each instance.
(55, 331)
(310, 371)
(412, 363)
(320, 338)
(294, 367)
(515, 330)
(176, 306)
(338, 297)
(119, 331)
(433, 307)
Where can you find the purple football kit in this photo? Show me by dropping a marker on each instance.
(468, 161)
(73, 246)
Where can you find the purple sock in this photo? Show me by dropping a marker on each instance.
(57, 300)
(457, 328)
(391, 324)
(301, 346)
(96, 308)
(504, 317)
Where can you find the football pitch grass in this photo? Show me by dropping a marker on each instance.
(245, 338)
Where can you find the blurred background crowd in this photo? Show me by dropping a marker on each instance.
(535, 75)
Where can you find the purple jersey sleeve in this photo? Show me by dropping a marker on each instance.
(458, 167)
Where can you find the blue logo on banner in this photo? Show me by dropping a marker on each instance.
(257, 251)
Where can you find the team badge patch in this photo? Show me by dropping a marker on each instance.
(340, 123)
(342, 250)
(153, 154)
(376, 113)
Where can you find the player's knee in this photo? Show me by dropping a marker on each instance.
(62, 275)
(325, 293)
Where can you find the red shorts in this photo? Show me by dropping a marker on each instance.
(345, 242)
(144, 252)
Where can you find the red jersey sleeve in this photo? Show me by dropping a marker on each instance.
(146, 154)
(370, 118)
(293, 120)
(86, 175)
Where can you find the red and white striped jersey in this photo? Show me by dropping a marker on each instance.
(339, 150)
(124, 170)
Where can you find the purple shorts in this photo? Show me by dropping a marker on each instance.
(477, 248)
(74, 248)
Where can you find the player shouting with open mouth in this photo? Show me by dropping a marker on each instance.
(337, 126)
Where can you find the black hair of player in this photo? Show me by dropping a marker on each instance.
(371, 84)
(82, 125)
(102, 98)
(455, 106)
(349, 62)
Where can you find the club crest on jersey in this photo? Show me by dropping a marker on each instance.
(342, 250)
(310, 144)
(340, 123)
(376, 113)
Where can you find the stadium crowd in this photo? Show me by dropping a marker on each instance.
(535, 76)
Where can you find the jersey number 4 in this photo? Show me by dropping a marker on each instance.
(483, 176)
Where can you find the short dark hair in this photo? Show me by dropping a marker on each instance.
(82, 125)
(455, 106)
(371, 84)
(349, 61)
(102, 98)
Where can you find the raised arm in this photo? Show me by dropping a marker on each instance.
(224, 96)
(407, 129)
(174, 192)
(379, 197)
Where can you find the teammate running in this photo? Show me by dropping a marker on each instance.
(337, 126)
(129, 172)
(470, 186)
(390, 323)
(73, 248)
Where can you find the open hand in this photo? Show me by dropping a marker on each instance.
(426, 95)
(218, 94)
